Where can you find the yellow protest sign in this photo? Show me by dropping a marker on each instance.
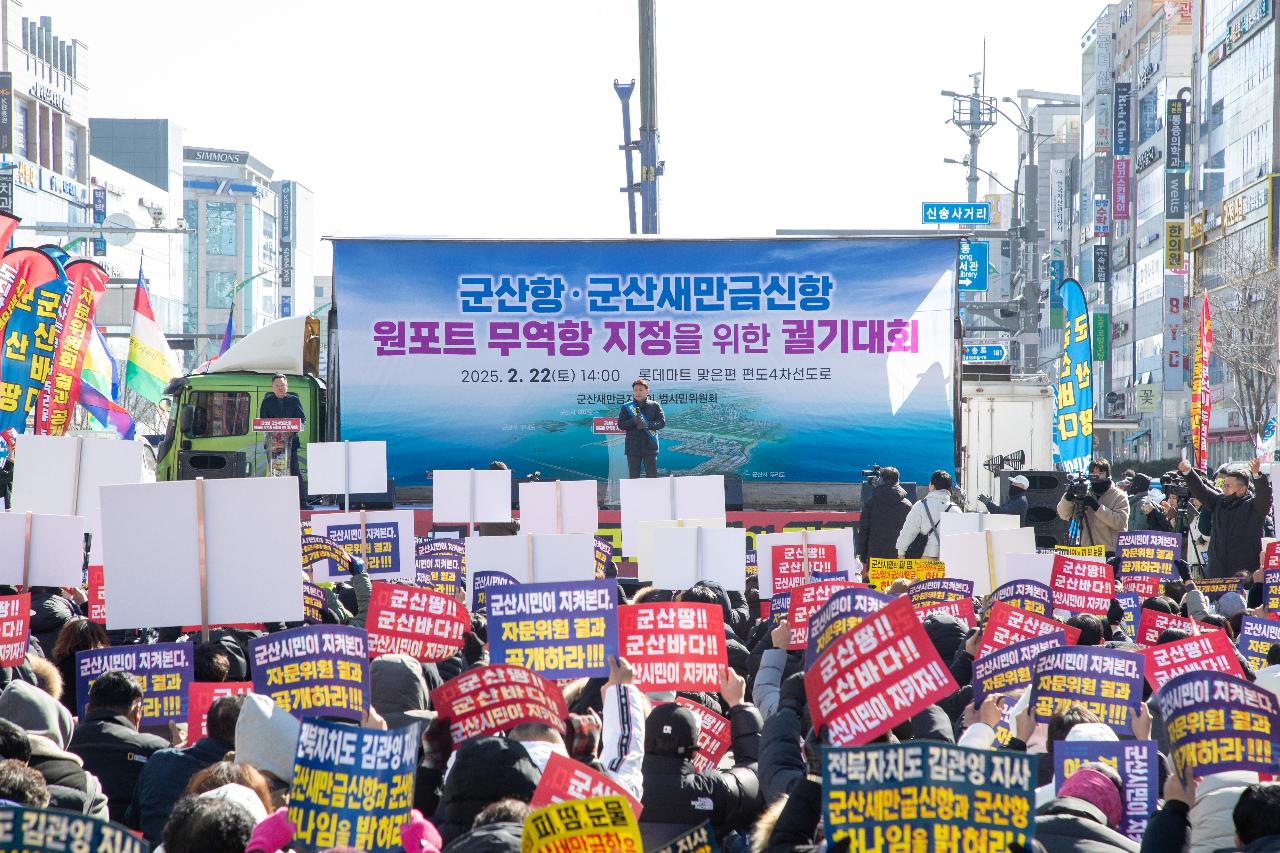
(603, 824)
(1081, 550)
(881, 572)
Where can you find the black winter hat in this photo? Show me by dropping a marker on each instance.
(485, 770)
(947, 633)
(1140, 483)
(671, 730)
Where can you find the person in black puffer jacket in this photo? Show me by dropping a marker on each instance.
(882, 517)
(485, 770)
(1238, 516)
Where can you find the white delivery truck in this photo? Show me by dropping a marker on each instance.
(1006, 425)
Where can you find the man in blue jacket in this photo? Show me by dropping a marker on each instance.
(641, 419)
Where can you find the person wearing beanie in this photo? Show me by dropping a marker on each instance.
(676, 797)
(266, 736)
(484, 770)
(1015, 503)
(1086, 814)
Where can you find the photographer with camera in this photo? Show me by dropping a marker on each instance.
(1015, 504)
(882, 516)
(1099, 505)
(1237, 517)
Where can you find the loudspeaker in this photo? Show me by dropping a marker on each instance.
(375, 500)
(212, 465)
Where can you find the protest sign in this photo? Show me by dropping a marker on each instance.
(603, 555)
(975, 522)
(775, 609)
(1146, 586)
(714, 736)
(388, 547)
(1271, 553)
(753, 563)
(674, 646)
(62, 475)
(647, 533)
(559, 506)
(565, 779)
(316, 549)
(422, 623)
(603, 824)
(1007, 625)
(873, 677)
(789, 564)
(843, 611)
(959, 608)
(1218, 722)
(1152, 623)
(1257, 636)
(346, 467)
(544, 558)
(1136, 762)
(700, 839)
(985, 556)
(1271, 592)
(492, 699)
(352, 787)
(200, 698)
(162, 670)
(1010, 668)
(925, 795)
(1148, 552)
(96, 606)
(803, 602)
(471, 497)
(54, 555)
(882, 572)
(679, 557)
(1082, 586)
(938, 590)
(1031, 596)
(314, 671)
(1210, 652)
(313, 603)
(1215, 588)
(1026, 567)
(1131, 604)
(1106, 681)
(252, 552)
(768, 550)
(558, 630)
(31, 830)
(1096, 551)
(15, 628)
(667, 499)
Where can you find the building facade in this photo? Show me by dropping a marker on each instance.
(297, 241)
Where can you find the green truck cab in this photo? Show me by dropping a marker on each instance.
(210, 431)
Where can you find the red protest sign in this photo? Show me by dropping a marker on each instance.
(421, 623)
(277, 425)
(15, 628)
(961, 608)
(713, 735)
(565, 779)
(1007, 625)
(200, 697)
(1209, 652)
(1152, 623)
(788, 564)
(875, 676)
(1271, 555)
(674, 646)
(490, 700)
(1082, 586)
(96, 606)
(1146, 586)
(805, 601)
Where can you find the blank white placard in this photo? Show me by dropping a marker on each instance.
(966, 557)
(682, 556)
(699, 497)
(645, 532)
(952, 523)
(841, 537)
(1004, 543)
(327, 467)
(563, 557)
(57, 549)
(322, 523)
(452, 500)
(578, 507)
(506, 554)
(1025, 567)
(253, 553)
(643, 499)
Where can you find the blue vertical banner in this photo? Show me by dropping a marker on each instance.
(1073, 391)
(971, 267)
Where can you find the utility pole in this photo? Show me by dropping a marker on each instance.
(974, 114)
(624, 91)
(650, 167)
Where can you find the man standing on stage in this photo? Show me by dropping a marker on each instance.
(641, 419)
(281, 404)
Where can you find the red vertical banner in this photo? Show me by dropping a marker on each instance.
(75, 325)
(97, 594)
(1201, 399)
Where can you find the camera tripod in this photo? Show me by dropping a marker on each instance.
(1079, 520)
(1182, 526)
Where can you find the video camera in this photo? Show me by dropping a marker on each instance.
(1077, 487)
(872, 474)
(1174, 485)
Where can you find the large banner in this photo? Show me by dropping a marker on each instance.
(1073, 394)
(753, 348)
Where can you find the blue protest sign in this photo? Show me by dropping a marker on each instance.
(875, 796)
(1217, 722)
(1009, 668)
(314, 671)
(955, 213)
(1256, 638)
(700, 839)
(1137, 763)
(971, 267)
(58, 831)
(1031, 596)
(1106, 681)
(1148, 552)
(163, 670)
(844, 611)
(930, 591)
(481, 583)
(352, 787)
(1131, 603)
(439, 564)
(1073, 393)
(558, 630)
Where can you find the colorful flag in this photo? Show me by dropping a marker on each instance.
(1201, 398)
(30, 332)
(57, 399)
(1073, 393)
(150, 364)
(226, 336)
(100, 387)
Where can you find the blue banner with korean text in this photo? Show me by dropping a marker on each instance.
(56, 831)
(162, 670)
(1073, 391)
(1217, 722)
(558, 630)
(1106, 681)
(750, 346)
(1136, 761)
(314, 671)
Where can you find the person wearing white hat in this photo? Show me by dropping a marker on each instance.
(1015, 504)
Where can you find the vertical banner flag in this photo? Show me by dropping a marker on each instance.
(150, 365)
(558, 630)
(1201, 396)
(1265, 446)
(163, 671)
(352, 787)
(892, 796)
(1219, 722)
(29, 322)
(314, 671)
(1073, 393)
(61, 392)
(492, 699)
(674, 646)
(566, 779)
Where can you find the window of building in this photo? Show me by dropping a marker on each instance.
(219, 413)
(191, 284)
(217, 289)
(21, 124)
(71, 151)
(269, 304)
(1149, 107)
(220, 227)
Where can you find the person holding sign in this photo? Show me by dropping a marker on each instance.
(641, 419)
(281, 404)
(1238, 511)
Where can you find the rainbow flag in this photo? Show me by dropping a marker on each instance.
(99, 386)
(150, 365)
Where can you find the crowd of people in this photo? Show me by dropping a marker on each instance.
(227, 791)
